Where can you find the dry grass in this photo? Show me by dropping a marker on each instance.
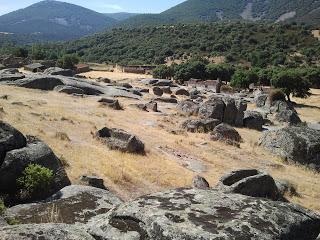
(130, 175)
(117, 76)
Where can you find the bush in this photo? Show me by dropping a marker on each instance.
(191, 69)
(223, 72)
(242, 78)
(163, 72)
(276, 95)
(68, 61)
(2, 207)
(226, 89)
(35, 178)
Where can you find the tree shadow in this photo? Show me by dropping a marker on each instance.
(300, 105)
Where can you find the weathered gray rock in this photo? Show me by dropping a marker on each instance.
(213, 108)
(205, 214)
(72, 204)
(182, 91)
(288, 116)
(157, 82)
(93, 181)
(3, 222)
(260, 98)
(68, 89)
(230, 111)
(199, 182)
(111, 103)
(44, 232)
(225, 133)
(188, 108)
(253, 120)
(241, 108)
(200, 125)
(286, 188)
(250, 182)
(166, 90)
(152, 106)
(166, 100)
(121, 140)
(157, 91)
(9, 71)
(10, 139)
(59, 71)
(295, 144)
(10, 77)
(35, 152)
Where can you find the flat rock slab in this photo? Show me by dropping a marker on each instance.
(72, 204)
(205, 214)
(44, 232)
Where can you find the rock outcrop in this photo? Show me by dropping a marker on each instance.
(118, 139)
(205, 214)
(44, 232)
(111, 103)
(59, 71)
(295, 144)
(200, 125)
(253, 120)
(213, 108)
(188, 108)
(72, 204)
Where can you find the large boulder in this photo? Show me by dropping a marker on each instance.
(230, 111)
(118, 139)
(253, 120)
(260, 98)
(157, 91)
(288, 116)
(35, 152)
(241, 108)
(182, 91)
(295, 144)
(250, 182)
(199, 182)
(166, 100)
(72, 204)
(10, 139)
(59, 71)
(225, 133)
(188, 107)
(214, 108)
(205, 214)
(44, 232)
(10, 77)
(200, 125)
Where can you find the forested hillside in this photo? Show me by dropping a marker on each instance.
(260, 44)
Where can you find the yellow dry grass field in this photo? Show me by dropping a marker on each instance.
(316, 34)
(116, 76)
(67, 124)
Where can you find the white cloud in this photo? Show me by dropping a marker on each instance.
(113, 6)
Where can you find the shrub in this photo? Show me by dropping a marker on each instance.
(35, 178)
(243, 78)
(163, 72)
(276, 95)
(68, 61)
(2, 207)
(226, 89)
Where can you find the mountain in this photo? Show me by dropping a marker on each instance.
(54, 20)
(192, 11)
(120, 16)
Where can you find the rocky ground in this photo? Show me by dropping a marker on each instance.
(158, 150)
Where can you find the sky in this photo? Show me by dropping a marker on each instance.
(103, 6)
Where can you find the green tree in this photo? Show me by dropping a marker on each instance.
(290, 81)
(223, 72)
(68, 61)
(242, 78)
(163, 72)
(191, 69)
(20, 52)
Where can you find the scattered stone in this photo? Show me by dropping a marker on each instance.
(241, 108)
(152, 106)
(260, 98)
(166, 90)
(118, 139)
(200, 125)
(11, 77)
(295, 144)
(104, 80)
(68, 90)
(72, 204)
(188, 107)
(207, 214)
(124, 85)
(44, 232)
(288, 116)
(111, 103)
(157, 91)
(250, 182)
(199, 182)
(213, 108)
(59, 71)
(225, 133)
(286, 188)
(166, 100)
(93, 181)
(182, 91)
(230, 111)
(253, 120)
